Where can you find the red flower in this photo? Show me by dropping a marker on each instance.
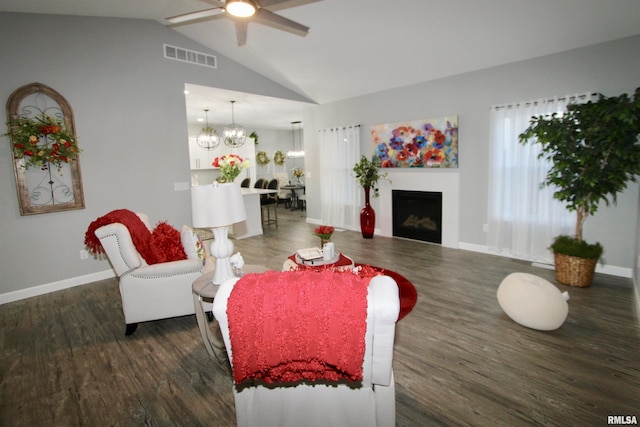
(49, 129)
(324, 231)
(434, 156)
(410, 149)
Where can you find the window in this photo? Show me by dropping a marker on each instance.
(523, 218)
(340, 193)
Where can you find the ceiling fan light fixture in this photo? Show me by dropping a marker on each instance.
(240, 8)
(234, 135)
(208, 138)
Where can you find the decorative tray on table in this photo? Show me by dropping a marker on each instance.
(314, 256)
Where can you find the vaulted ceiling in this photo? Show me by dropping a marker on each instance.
(357, 47)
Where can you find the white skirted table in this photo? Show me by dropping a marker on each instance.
(204, 291)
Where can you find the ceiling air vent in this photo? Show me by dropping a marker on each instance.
(191, 56)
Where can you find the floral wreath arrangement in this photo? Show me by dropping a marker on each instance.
(278, 158)
(262, 159)
(297, 172)
(41, 140)
(324, 232)
(230, 167)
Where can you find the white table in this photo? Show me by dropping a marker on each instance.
(252, 226)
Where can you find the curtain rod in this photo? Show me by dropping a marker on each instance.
(537, 101)
(338, 128)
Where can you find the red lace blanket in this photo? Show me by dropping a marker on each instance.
(140, 234)
(298, 326)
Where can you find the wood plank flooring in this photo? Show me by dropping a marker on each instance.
(459, 360)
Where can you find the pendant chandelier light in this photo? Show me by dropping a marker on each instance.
(208, 138)
(296, 154)
(234, 135)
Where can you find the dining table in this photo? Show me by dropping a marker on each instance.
(296, 190)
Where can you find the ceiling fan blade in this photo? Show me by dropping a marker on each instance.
(194, 17)
(276, 5)
(215, 3)
(241, 31)
(265, 17)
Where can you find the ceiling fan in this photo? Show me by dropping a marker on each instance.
(244, 11)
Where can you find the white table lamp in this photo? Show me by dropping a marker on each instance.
(217, 206)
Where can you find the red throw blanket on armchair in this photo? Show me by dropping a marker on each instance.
(298, 326)
(140, 234)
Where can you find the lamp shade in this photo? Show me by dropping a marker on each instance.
(217, 205)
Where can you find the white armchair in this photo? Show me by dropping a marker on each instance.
(369, 403)
(149, 292)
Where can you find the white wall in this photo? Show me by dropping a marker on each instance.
(130, 117)
(610, 68)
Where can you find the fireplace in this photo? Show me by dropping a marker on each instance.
(417, 215)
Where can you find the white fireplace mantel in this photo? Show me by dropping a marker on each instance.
(448, 183)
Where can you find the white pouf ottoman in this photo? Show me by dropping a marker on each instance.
(533, 302)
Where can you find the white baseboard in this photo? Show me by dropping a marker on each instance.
(600, 268)
(313, 221)
(55, 286)
(317, 221)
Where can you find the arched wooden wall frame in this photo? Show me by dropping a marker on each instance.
(27, 206)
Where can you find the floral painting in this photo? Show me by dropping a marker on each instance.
(429, 143)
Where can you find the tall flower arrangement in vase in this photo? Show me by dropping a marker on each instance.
(368, 176)
(230, 167)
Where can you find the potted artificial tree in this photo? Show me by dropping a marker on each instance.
(595, 152)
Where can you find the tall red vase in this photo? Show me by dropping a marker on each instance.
(367, 217)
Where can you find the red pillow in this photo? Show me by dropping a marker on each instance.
(166, 243)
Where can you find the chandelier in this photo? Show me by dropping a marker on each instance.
(234, 135)
(296, 154)
(208, 138)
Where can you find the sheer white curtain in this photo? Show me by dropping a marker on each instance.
(523, 218)
(340, 196)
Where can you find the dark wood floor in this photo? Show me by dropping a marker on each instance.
(459, 360)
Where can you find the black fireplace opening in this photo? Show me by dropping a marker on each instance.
(417, 215)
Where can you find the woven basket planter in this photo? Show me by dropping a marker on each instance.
(575, 271)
